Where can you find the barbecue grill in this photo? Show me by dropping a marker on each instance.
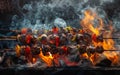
(78, 37)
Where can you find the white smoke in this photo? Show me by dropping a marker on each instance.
(60, 22)
(43, 12)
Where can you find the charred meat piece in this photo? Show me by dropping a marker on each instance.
(82, 49)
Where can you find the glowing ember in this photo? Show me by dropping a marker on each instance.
(85, 55)
(34, 60)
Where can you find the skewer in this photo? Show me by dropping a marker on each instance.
(8, 38)
(9, 30)
(111, 50)
(7, 50)
(12, 49)
(112, 38)
(15, 37)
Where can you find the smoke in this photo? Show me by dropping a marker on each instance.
(38, 13)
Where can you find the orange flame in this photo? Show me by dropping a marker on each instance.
(88, 24)
(85, 55)
(47, 59)
(34, 60)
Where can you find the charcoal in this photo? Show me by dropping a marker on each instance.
(105, 63)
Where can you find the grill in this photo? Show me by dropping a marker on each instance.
(59, 37)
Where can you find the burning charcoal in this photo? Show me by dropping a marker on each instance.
(82, 49)
(105, 63)
(99, 49)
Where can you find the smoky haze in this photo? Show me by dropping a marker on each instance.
(33, 13)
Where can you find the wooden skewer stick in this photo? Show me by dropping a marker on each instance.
(9, 30)
(12, 49)
(14, 37)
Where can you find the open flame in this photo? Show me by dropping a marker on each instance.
(47, 59)
(90, 26)
(88, 22)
